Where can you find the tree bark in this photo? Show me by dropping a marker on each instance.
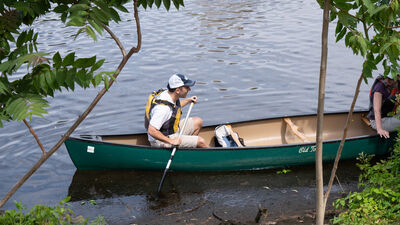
(83, 116)
(320, 209)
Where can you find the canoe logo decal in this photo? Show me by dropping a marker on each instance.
(306, 149)
(90, 149)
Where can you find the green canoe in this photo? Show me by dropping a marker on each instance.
(270, 143)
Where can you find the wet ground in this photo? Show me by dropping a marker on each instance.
(128, 197)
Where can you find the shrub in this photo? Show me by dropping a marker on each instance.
(40, 215)
(379, 201)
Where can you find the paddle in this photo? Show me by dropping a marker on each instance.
(174, 150)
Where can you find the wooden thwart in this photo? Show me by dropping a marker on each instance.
(366, 121)
(295, 130)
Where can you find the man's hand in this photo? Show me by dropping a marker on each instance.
(175, 141)
(193, 99)
(383, 133)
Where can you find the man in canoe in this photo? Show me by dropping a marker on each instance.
(163, 113)
(383, 101)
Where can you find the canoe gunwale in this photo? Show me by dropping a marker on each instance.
(222, 148)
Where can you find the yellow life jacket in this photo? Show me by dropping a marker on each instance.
(170, 126)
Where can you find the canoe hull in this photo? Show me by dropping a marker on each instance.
(97, 155)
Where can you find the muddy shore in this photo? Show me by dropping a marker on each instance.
(128, 197)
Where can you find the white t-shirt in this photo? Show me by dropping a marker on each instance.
(160, 113)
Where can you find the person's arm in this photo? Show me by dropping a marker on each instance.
(377, 111)
(189, 100)
(155, 133)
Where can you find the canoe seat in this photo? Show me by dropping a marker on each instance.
(295, 130)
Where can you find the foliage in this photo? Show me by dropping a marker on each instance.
(25, 96)
(283, 171)
(379, 202)
(369, 28)
(41, 214)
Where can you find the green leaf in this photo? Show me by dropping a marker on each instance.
(370, 6)
(76, 21)
(4, 86)
(106, 83)
(347, 20)
(167, 4)
(70, 79)
(97, 65)
(97, 79)
(101, 16)
(79, 7)
(150, 3)
(79, 32)
(57, 60)
(90, 32)
(339, 27)
(142, 3)
(85, 62)
(61, 75)
(379, 58)
(69, 59)
(341, 34)
(98, 28)
(158, 3)
(122, 8)
(378, 9)
(363, 45)
(176, 3)
(60, 9)
(114, 15)
(21, 39)
(49, 79)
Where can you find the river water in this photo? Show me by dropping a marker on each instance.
(251, 59)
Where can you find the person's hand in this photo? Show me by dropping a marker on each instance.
(383, 133)
(176, 141)
(193, 99)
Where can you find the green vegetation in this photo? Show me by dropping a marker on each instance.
(379, 201)
(41, 214)
(369, 28)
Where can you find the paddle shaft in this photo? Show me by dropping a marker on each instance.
(174, 150)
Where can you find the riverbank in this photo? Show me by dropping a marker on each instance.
(127, 197)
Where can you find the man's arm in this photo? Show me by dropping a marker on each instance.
(189, 100)
(377, 111)
(161, 137)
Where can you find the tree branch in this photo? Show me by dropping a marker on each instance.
(36, 137)
(138, 30)
(116, 40)
(339, 152)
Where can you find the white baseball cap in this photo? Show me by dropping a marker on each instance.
(179, 80)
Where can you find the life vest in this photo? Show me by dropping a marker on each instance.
(170, 126)
(388, 105)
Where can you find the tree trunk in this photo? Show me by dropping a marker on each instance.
(320, 209)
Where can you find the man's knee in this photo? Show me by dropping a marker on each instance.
(197, 122)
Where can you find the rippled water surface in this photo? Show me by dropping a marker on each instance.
(251, 59)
